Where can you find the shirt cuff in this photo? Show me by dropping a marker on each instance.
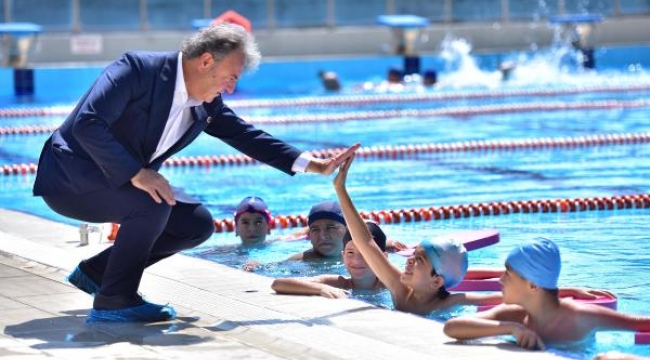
(301, 163)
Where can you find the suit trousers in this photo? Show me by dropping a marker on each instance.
(149, 232)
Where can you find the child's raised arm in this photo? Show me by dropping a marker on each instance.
(387, 273)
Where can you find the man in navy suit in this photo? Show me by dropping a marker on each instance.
(101, 165)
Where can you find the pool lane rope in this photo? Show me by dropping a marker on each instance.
(367, 99)
(464, 111)
(400, 151)
(637, 201)
(619, 202)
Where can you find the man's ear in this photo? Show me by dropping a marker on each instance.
(206, 59)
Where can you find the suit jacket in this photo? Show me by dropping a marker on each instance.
(115, 128)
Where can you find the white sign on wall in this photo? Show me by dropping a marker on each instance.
(87, 44)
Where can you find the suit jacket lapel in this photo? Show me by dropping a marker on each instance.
(163, 95)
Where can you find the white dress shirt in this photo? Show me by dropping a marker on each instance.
(180, 115)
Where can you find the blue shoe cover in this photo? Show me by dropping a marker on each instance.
(146, 312)
(82, 281)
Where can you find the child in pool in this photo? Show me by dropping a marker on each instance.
(326, 230)
(252, 221)
(532, 311)
(338, 286)
(434, 267)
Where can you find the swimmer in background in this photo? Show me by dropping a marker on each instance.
(338, 286)
(395, 76)
(329, 80)
(533, 312)
(430, 78)
(506, 68)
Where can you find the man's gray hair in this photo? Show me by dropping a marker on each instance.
(220, 40)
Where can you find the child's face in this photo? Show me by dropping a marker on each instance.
(417, 272)
(327, 237)
(252, 228)
(512, 285)
(355, 263)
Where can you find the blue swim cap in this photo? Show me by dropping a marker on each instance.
(329, 210)
(537, 261)
(449, 259)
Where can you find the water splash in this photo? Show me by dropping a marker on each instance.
(557, 66)
(461, 68)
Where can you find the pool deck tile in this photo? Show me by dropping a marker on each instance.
(224, 313)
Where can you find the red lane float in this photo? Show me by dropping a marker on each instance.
(638, 201)
(464, 111)
(405, 151)
(450, 111)
(402, 151)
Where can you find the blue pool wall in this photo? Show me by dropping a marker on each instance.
(295, 77)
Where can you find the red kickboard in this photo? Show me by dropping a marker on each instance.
(472, 239)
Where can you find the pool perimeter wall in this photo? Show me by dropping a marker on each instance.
(57, 47)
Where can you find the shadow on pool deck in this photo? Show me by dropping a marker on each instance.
(223, 312)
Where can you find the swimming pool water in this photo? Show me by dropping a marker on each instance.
(602, 249)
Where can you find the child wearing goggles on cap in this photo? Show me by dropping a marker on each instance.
(252, 221)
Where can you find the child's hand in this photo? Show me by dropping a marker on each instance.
(331, 292)
(327, 166)
(251, 265)
(527, 338)
(339, 180)
(395, 246)
(586, 293)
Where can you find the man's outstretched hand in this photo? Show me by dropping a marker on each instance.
(327, 166)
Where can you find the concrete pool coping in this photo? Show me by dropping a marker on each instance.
(223, 312)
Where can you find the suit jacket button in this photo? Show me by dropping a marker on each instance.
(209, 119)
